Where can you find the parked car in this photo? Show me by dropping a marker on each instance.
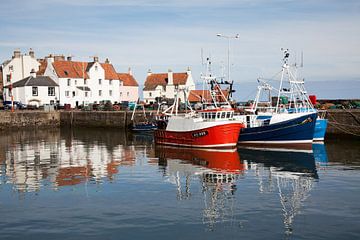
(17, 105)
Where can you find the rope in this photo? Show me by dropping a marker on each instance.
(335, 124)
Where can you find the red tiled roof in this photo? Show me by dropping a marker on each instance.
(42, 67)
(127, 79)
(110, 73)
(70, 69)
(198, 95)
(156, 79)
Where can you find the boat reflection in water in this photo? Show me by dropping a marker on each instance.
(290, 172)
(217, 170)
(320, 153)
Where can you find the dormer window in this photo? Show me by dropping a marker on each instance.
(96, 67)
(66, 72)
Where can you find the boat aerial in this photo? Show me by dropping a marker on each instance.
(214, 126)
(279, 121)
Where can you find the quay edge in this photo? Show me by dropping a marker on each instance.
(341, 121)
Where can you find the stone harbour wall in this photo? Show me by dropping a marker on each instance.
(343, 121)
(340, 121)
(27, 119)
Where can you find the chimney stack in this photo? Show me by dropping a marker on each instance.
(33, 73)
(149, 72)
(69, 58)
(96, 59)
(107, 61)
(129, 71)
(170, 77)
(32, 53)
(17, 53)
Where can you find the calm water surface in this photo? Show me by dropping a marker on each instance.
(105, 184)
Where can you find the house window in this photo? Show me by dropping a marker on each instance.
(128, 94)
(99, 81)
(69, 82)
(110, 92)
(84, 81)
(150, 94)
(74, 94)
(121, 83)
(51, 91)
(75, 82)
(120, 94)
(100, 92)
(8, 78)
(110, 82)
(96, 68)
(86, 94)
(67, 93)
(34, 91)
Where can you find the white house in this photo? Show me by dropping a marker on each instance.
(164, 85)
(17, 68)
(34, 90)
(129, 88)
(84, 82)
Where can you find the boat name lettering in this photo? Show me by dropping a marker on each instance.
(200, 134)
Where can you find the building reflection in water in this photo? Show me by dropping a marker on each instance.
(34, 159)
(217, 170)
(291, 173)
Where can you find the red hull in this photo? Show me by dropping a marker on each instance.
(225, 161)
(221, 136)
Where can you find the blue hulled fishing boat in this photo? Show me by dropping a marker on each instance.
(286, 117)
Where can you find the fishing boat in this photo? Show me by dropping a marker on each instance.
(280, 123)
(213, 126)
(144, 125)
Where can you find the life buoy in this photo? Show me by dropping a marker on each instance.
(116, 107)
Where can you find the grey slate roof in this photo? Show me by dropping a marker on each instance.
(84, 88)
(37, 81)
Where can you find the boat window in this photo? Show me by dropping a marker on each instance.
(218, 115)
(213, 115)
(228, 115)
(223, 114)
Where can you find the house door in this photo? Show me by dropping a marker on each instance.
(77, 104)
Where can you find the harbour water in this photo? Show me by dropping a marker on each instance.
(106, 184)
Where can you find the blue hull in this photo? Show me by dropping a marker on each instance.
(295, 131)
(144, 127)
(320, 129)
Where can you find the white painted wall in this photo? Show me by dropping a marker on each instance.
(25, 95)
(21, 68)
(129, 93)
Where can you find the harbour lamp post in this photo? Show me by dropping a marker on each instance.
(228, 52)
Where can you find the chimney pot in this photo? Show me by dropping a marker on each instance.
(33, 73)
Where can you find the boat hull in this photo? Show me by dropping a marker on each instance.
(320, 129)
(294, 132)
(143, 127)
(219, 136)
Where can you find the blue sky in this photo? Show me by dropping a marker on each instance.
(161, 35)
